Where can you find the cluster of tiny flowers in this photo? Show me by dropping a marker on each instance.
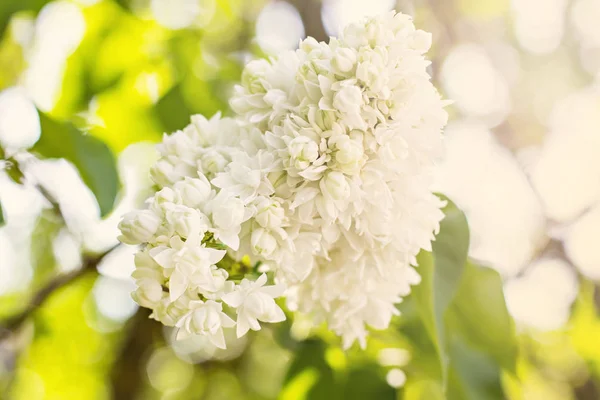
(323, 178)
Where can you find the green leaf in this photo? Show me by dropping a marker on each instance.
(472, 375)
(173, 111)
(1, 215)
(310, 377)
(10, 7)
(42, 257)
(441, 272)
(93, 159)
(365, 383)
(479, 315)
(423, 390)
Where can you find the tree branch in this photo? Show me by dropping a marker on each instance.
(310, 12)
(127, 375)
(12, 324)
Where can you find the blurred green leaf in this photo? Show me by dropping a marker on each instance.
(441, 272)
(365, 383)
(65, 336)
(42, 254)
(1, 215)
(124, 3)
(463, 310)
(472, 375)
(282, 334)
(9, 7)
(93, 159)
(173, 111)
(423, 390)
(312, 377)
(479, 315)
(585, 325)
(309, 376)
(12, 303)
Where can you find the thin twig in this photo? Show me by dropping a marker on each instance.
(12, 324)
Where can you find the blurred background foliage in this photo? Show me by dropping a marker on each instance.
(509, 311)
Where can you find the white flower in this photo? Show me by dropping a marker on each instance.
(149, 279)
(147, 268)
(324, 176)
(254, 302)
(170, 312)
(188, 266)
(335, 195)
(228, 213)
(246, 177)
(193, 191)
(205, 318)
(148, 293)
(186, 221)
(139, 227)
(349, 153)
(269, 213)
(163, 199)
(263, 243)
(303, 151)
(180, 144)
(344, 59)
(214, 131)
(212, 161)
(336, 186)
(164, 173)
(348, 100)
(204, 278)
(19, 120)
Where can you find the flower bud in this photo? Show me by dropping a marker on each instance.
(269, 213)
(228, 214)
(177, 144)
(336, 186)
(421, 41)
(321, 119)
(263, 243)
(169, 312)
(348, 100)
(162, 199)
(253, 75)
(219, 276)
(164, 173)
(148, 293)
(139, 227)
(303, 150)
(193, 191)
(371, 70)
(349, 154)
(212, 162)
(344, 59)
(309, 44)
(147, 268)
(166, 195)
(187, 221)
(206, 318)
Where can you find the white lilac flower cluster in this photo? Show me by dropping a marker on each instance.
(324, 178)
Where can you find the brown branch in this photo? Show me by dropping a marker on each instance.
(127, 374)
(588, 391)
(12, 324)
(310, 12)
